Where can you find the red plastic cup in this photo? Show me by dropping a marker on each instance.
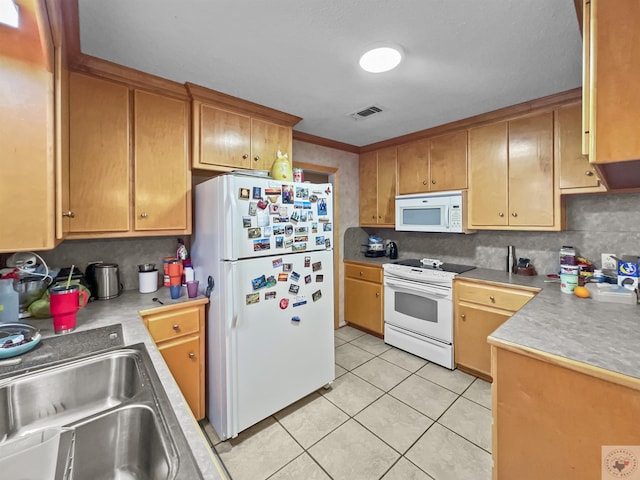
(64, 302)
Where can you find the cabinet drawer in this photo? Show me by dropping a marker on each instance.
(363, 272)
(493, 296)
(169, 325)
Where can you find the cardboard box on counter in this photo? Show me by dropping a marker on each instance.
(628, 272)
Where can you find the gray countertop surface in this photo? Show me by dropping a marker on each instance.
(604, 335)
(124, 310)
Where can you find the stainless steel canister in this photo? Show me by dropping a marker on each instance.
(107, 281)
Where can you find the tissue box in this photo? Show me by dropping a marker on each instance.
(628, 273)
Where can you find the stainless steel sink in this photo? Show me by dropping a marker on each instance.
(118, 421)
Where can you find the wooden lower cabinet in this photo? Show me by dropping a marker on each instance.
(178, 331)
(363, 297)
(552, 416)
(479, 309)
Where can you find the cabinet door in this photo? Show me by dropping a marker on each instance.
(488, 180)
(99, 171)
(224, 138)
(472, 327)
(184, 362)
(413, 167)
(575, 169)
(448, 162)
(615, 107)
(161, 162)
(531, 193)
(363, 304)
(266, 139)
(387, 186)
(368, 185)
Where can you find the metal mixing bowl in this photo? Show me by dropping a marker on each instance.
(147, 267)
(30, 289)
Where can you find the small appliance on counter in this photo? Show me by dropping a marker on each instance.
(392, 248)
(375, 247)
(104, 280)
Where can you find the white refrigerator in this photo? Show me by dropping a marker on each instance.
(267, 245)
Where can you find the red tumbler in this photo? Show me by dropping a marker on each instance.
(64, 302)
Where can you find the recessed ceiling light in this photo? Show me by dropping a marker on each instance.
(9, 13)
(381, 58)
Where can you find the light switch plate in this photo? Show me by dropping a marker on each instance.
(608, 262)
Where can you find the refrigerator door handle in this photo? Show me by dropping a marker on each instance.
(232, 280)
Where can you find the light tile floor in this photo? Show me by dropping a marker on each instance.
(388, 415)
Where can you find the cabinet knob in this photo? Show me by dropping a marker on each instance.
(176, 327)
(500, 214)
(69, 214)
(192, 355)
(424, 182)
(245, 156)
(433, 182)
(463, 316)
(379, 216)
(144, 214)
(256, 158)
(361, 273)
(377, 294)
(588, 173)
(492, 298)
(373, 217)
(514, 214)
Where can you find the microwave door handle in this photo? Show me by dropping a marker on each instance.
(448, 210)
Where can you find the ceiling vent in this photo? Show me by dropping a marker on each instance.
(367, 112)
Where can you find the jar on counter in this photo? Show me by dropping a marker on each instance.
(568, 255)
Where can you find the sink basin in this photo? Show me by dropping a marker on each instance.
(61, 395)
(123, 444)
(116, 418)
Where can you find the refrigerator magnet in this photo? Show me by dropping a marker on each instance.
(262, 218)
(307, 261)
(284, 303)
(271, 191)
(309, 216)
(254, 232)
(307, 279)
(327, 243)
(262, 204)
(258, 283)
(303, 216)
(261, 244)
(252, 298)
(288, 242)
(317, 295)
(278, 229)
(302, 193)
(295, 319)
(313, 198)
(287, 193)
(319, 278)
(287, 267)
(279, 242)
(300, 238)
(274, 208)
(246, 222)
(294, 289)
(320, 240)
(300, 230)
(295, 276)
(302, 205)
(326, 227)
(295, 216)
(328, 190)
(316, 266)
(243, 194)
(276, 262)
(283, 277)
(270, 295)
(314, 227)
(322, 207)
(267, 231)
(284, 210)
(253, 208)
(299, 302)
(270, 282)
(257, 193)
(288, 230)
(298, 247)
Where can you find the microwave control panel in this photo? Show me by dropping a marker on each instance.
(456, 216)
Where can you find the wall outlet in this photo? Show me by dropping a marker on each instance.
(608, 262)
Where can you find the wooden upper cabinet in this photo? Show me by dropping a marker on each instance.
(225, 137)
(161, 162)
(488, 175)
(99, 171)
(266, 139)
(230, 133)
(512, 175)
(434, 164)
(577, 175)
(448, 162)
(531, 175)
(26, 137)
(378, 187)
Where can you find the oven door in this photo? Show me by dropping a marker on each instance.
(420, 308)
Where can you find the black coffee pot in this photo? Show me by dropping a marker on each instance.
(392, 248)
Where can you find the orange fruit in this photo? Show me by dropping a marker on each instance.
(581, 292)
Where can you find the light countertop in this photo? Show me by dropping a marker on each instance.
(125, 310)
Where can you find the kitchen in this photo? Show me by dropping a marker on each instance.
(594, 224)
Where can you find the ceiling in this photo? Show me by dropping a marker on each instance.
(462, 57)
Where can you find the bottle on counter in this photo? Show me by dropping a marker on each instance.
(188, 274)
(9, 303)
(181, 252)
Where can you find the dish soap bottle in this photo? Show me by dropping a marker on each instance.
(9, 304)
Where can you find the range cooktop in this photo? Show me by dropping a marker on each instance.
(432, 264)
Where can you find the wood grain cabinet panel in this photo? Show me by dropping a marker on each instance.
(178, 331)
(363, 297)
(266, 139)
(225, 137)
(377, 187)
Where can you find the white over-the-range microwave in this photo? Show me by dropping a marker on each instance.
(433, 212)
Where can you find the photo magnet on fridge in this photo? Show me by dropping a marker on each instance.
(293, 288)
(288, 242)
(313, 198)
(299, 303)
(254, 232)
(259, 282)
(283, 277)
(270, 295)
(271, 281)
(327, 242)
(274, 208)
(244, 194)
(316, 266)
(322, 207)
(287, 267)
(320, 240)
(272, 191)
(267, 231)
(300, 238)
(307, 279)
(295, 276)
(320, 278)
(307, 261)
(317, 295)
(299, 247)
(257, 193)
(287, 193)
(246, 222)
(302, 193)
(295, 216)
(262, 218)
(303, 216)
(300, 230)
(261, 244)
(314, 227)
(279, 242)
(276, 262)
(252, 298)
(253, 208)
(326, 227)
(288, 230)
(278, 229)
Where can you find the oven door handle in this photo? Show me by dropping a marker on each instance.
(425, 290)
